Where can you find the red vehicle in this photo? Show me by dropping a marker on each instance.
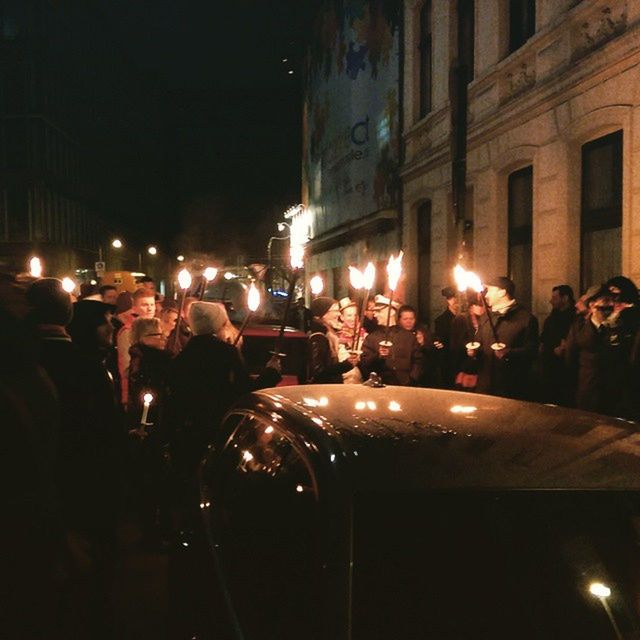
(260, 339)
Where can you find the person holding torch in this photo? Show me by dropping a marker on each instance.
(508, 336)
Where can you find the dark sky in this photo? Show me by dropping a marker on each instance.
(210, 149)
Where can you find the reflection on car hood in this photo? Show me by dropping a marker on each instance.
(436, 438)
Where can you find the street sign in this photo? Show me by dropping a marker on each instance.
(101, 267)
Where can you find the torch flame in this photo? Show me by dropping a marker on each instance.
(356, 278)
(68, 285)
(148, 398)
(184, 279)
(369, 276)
(210, 273)
(35, 267)
(253, 298)
(467, 280)
(317, 285)
(394, 270)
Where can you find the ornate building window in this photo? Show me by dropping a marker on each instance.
(425, 55)
(522, 22)
(520, 236)
(601, 219)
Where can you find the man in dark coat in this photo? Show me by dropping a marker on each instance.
(556, 381)
(399, 362)
(442, 337)
(508, 349)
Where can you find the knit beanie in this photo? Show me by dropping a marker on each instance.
(321, 305)
(50, 303)
(207, 318)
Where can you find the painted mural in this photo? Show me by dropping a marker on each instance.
(352, 111)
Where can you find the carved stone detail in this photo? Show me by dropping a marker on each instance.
(603, 25)
(521, 78)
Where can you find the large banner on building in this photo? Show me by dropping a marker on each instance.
(352, 116)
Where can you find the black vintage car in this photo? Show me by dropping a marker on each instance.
(338, 512)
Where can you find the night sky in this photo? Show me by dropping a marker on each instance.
(203, 148)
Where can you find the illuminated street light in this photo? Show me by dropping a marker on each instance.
(282, 226)
(602, 592)
(599, 590)
(180, 258)
(117, 244)
(152, 250)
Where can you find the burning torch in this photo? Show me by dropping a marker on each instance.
(394, 271)
(253, 302)
(317, 286)
(209, 274)
(35, 267)
(184, 281)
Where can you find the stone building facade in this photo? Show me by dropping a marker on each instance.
(552, 132)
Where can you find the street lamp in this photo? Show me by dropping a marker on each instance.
(180, 258)
(117, 243)
(602, 592)
(152, 250)
(284, 225)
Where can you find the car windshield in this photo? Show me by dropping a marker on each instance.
(546, 564)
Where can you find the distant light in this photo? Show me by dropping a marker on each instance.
(394, 406)
(318, 421)
(229, 276)
(299, 488)
(599, 590)
(35, 267)
(152, 250)
(317, 285)
(247, 456)
(94, 282)
(290, 72)
(68, 285)
(147, 398)
(269, 429)
(332, 457)
(285, 59)
(180, 258)
(117, 244)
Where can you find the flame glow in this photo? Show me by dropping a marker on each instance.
(467, 280)
(356, 278)
(68, 285)
(253, 298)
(297, 256)
(369, 276)
(35, 267)
(210, 273)
(184, 279)
(394, 270)
(147, 398)
(317, 285)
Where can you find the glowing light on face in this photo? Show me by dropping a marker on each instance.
(68, 285)
(599, 590)
(317, 285)
(394, 270)
(210, 273)
(147, 398)
(253, 298)
(356, 277)
(35, 267)
(184, 279)
(459, 408)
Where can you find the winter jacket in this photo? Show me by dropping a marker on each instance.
(323, 364)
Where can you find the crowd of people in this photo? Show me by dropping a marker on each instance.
(110, 401)
(586, 356)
